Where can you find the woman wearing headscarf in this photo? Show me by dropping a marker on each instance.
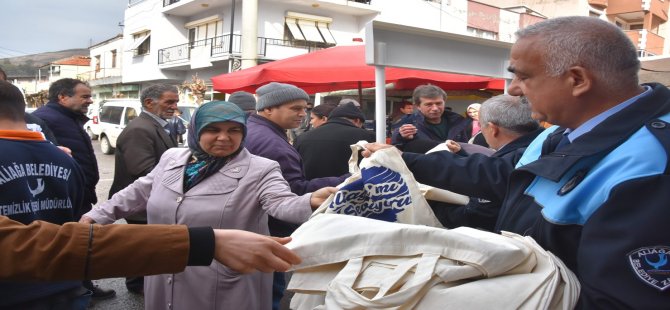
(474, 128)
(214, 182)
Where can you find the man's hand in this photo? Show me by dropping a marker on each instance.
(86, 220)
(65, 149)
(407, 131)
(319, 196)
(247, 252)
(453, 146)
(373, 147)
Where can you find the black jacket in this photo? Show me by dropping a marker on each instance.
(325, 150)
(138, 150)
(479, 212)
(455, 124)
(68, 127)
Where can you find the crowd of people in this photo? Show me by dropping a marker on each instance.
(588, 189)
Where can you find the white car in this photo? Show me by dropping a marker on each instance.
(92, 127)
(115, 114)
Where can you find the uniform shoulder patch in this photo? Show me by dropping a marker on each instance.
(652, 265)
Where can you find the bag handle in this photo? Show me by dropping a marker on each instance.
(341, 294)
(353, 160)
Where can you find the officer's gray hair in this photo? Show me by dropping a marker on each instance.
(597, 45)
(509, 113)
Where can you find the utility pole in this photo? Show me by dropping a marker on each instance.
(232, 25)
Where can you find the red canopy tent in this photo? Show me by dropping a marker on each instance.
(339, 68)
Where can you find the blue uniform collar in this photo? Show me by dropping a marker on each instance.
(601, 139)
(593, 122)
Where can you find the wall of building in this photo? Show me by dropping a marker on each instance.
(164, 33)
(448, 16)
(107, 67)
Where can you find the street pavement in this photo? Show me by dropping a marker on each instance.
(124, 300)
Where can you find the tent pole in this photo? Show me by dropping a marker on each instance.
(380, 104)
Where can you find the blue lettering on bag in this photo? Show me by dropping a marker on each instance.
(379, 194)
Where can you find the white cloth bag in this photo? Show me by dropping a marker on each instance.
(383, 188)
(358, 263)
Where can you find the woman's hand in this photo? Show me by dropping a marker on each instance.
(86, 220)
(319, 196)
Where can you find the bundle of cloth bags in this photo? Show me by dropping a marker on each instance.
(354, 262)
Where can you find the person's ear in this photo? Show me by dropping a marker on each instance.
(580, 80)
(495, 130)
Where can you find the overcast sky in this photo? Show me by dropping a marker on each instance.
(37, 26)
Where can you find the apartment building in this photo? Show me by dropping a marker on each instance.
(105, 71)
(173, 40)
(644, 21)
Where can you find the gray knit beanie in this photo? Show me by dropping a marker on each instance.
(275, 94)
(244, 100)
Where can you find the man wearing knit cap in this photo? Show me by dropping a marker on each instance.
(325, 150)
(346, 101)
(244, 100)
(282, 107)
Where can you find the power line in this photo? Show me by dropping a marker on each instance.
(15, 51)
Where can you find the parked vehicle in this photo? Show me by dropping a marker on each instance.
(115, 114)
(92, 127)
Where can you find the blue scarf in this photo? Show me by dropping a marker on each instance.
(202, 165)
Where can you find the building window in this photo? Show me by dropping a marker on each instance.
(309, 28)
(203, 31)
(97, 63)
(141, 43)
(475, 32)
(55, 70)
(113, 58)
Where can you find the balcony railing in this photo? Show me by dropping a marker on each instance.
(220, 46)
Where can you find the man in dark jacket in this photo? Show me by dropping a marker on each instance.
(140, 146)
(507, 126)
(430, 121)
(282, 107)
(325, 150)
(65, 114)
(593, 189)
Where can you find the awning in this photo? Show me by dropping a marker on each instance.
(139, 41)
(293, 28)
(325, 32)
(310, 31)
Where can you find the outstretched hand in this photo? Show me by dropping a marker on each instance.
(86, 220)
(453, 146)
(373, 147)
(247, 252)
(319, 196)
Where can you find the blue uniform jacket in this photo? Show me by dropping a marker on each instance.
(601, 204)
(38, 181)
